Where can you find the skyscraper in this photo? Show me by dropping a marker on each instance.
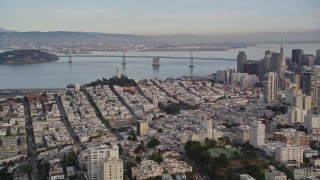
(270, 87)
(274, 61)
(317, 60)
(311, 85)
(241, 59)
(282, 67)
(296, 56)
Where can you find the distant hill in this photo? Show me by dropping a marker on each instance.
(6, 30)
(26, 57)
(90, 37)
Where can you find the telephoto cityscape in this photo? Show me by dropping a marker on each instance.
(160, 90)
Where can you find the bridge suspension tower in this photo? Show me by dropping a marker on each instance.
(69, 54)
(123, 58)
(191, 59)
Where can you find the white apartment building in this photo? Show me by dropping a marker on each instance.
(289, 153)
(96, 158)
(257, 134)
(273, 174)
(113, 169)
(270, 87)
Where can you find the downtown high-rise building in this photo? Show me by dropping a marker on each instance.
(270, 87)
(282, 66)
(241, 59)
(310, 80)
(296, 56)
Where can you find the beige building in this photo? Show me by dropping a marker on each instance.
(273, 174)
(96, 158)
(257, 134)
(216, 134)
(113, 169)
(142, 128)
(270, 87)
(289, 153)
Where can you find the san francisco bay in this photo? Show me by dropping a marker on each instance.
(82, 70)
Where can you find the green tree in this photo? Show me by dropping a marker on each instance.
(210, 143)
(153, 143)
(156, 157)
(27, 168)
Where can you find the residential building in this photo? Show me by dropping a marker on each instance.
(289, 153)
(96, 158)
(270, 87)
(257, 134)
(273, 174)
(113, 169)
(242, 133)
(142, 128)
(311, 122)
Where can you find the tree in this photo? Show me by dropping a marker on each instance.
(153, 143)
(27, 168)
(138, 159)
(192, 149)
(210, 143)
(156, 157)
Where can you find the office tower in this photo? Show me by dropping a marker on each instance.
(261, 71)
(296, 57)
(241, 59)
(142, 128)
(290, 91)
(267, 60)
(251, 67)
(97, 156)
(270, 87)
(274, 61)
(282, 67)
(293, 77)
(113, 169)
(311, 85)
(317, 60)
(257, 134)
(308, 60)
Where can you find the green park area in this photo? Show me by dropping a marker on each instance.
(229, 152)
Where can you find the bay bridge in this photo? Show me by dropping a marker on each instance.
(156, 59)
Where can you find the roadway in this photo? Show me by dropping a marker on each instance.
(67, 124)
(150, 57)
(32, 149)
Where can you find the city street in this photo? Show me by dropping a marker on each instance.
(32, 149)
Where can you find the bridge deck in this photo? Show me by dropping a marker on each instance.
(166, 57)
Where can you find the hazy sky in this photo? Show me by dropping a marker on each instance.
(160, 16)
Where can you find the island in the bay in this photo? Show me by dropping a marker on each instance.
(26, 56)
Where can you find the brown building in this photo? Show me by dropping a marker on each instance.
(291, 137)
